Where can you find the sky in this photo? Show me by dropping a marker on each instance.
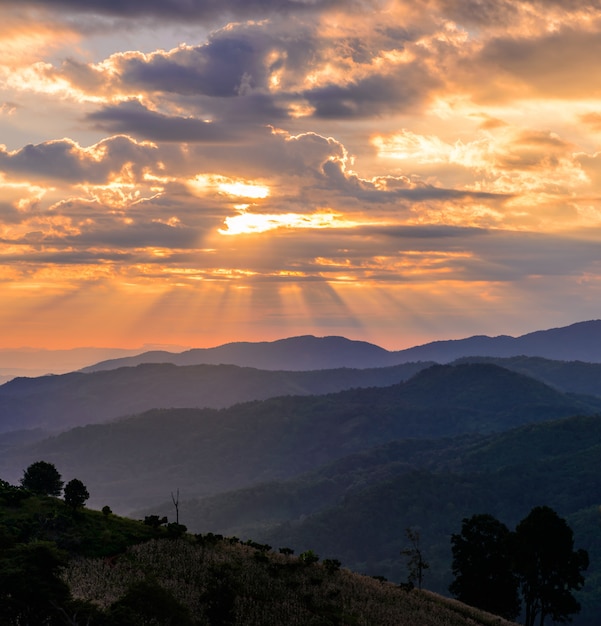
(193, 172)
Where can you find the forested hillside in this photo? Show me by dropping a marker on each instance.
(56, 403)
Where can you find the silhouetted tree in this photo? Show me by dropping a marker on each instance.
(43, 478)
(175, 500)
(155, 521)
(415, 563)
(482, 566)
(548, 567)
(76, 494)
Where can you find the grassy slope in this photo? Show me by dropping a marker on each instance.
(267, 588)
(254, 587)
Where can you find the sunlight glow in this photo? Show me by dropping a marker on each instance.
(222, 184)
(259, 223)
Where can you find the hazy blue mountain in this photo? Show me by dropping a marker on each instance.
(570, 376)
(581, 341)
(59, 402)
(293, 354)
(39, 362)
(56, 403)
(136, 461)
(577, 342)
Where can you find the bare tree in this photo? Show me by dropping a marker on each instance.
(175, 499)
(415, 560)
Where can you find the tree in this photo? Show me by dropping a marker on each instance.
(146, 602)
(415, 563)
(31, 589)
(42, 478)
(547, 565)
(76, 494)
(482, 566)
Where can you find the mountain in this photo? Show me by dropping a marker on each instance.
(577, 342)
(39, 362)
(580, 341)
(134, 462)
(293, 354)
(55, 403)
(567, 376)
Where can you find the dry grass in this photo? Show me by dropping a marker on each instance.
(264, 589)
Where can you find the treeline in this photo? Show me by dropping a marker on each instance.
(534, 568)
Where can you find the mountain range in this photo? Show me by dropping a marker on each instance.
(333, 445)
(580, 341)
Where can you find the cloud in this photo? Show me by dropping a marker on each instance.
(134, 118)
(185, 10)
(64, 159)
(559, 64)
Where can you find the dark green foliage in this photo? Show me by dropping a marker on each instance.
(148, 604)
(483, 566)
(76, 494)
(31, 590)
(11, 495)
(548, 567)
(43, 478)
(220, 595)
(308, 557)
(175, 530)
(154, 521)
(331, 565)
(106, 510)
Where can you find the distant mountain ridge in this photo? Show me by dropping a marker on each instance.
(132, 462)
(55, 403)
(578, 342)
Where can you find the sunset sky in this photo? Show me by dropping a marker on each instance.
(193, 172)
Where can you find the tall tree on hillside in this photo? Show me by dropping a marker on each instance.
(482, 566)
(42, 478)
(76, 494)
(548, 567)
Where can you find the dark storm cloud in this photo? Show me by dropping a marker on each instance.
(64, 160)
(140, 234)
(133, 118)
(374, 95)
(221, 68)
(188, 10)
(399, 189)
(429, 231)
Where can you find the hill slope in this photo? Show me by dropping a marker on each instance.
(110, 571)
